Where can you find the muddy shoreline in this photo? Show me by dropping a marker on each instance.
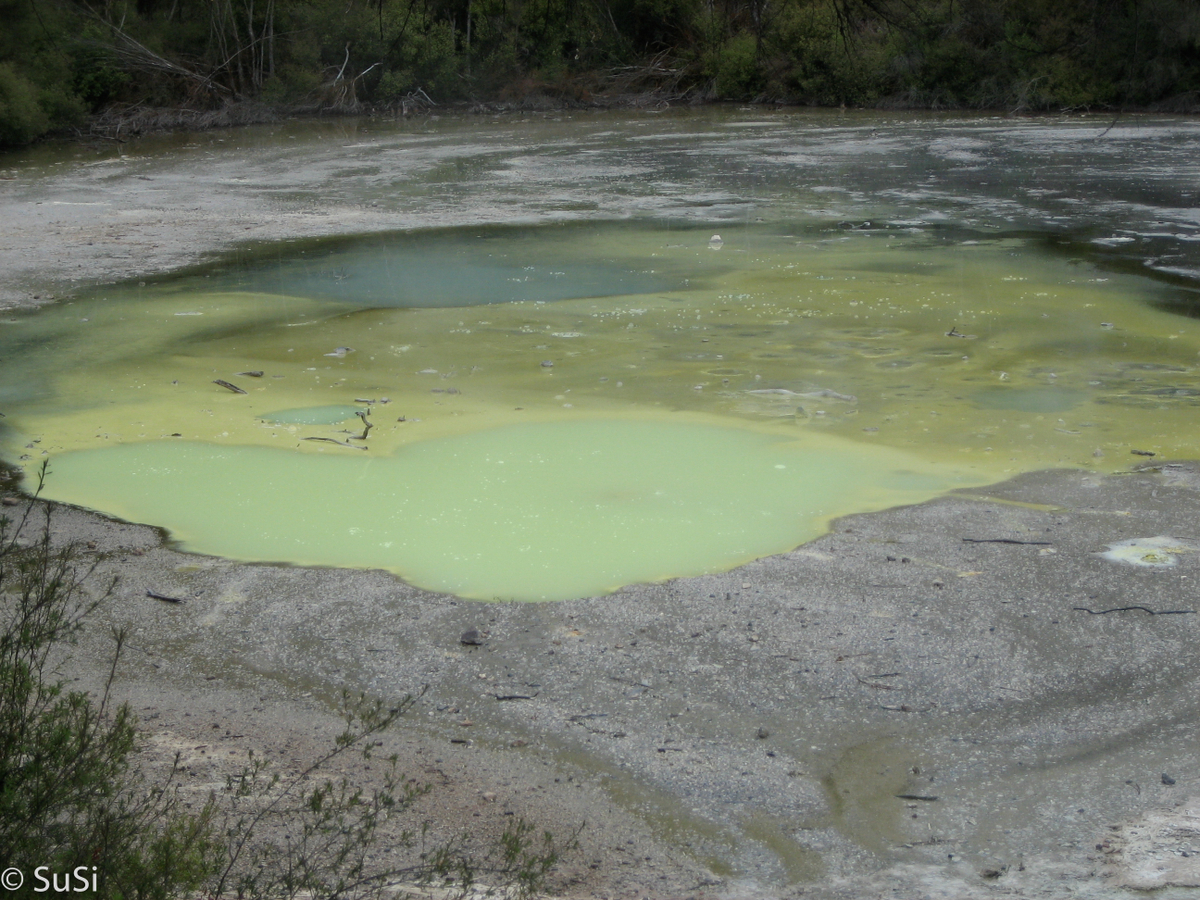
(779, 730)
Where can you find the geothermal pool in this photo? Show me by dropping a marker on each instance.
(549, 409)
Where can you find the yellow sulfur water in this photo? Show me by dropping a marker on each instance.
(600, 404)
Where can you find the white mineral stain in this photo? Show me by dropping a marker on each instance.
(1161, 551)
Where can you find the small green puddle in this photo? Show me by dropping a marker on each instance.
(1047, 399)
(865, 788)
(453, 269)
(543, 511)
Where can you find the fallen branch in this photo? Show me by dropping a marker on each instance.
(367, 426)
(334, 441)
(878, 687)
(1005, 541)
(136, 55)
(163, 597)
(1153, 612)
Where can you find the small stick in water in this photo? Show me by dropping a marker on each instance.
(367, 426)
(333, 441)
(228, 386)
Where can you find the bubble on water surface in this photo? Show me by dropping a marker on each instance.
(1160, 551)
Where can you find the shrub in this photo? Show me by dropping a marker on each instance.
(22, 118)
(737, 72)
(69, 799)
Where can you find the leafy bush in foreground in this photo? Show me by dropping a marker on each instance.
(69, 798)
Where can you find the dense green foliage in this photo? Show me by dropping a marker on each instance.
(62, 58)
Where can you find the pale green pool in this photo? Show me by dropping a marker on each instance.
(540, 511)
(668, 405)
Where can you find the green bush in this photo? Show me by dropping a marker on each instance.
(822, 67)
(649, 26)
(69, 798)
(64, 59)
(22, 118)
(291, 84)
(737, 75)
(98, 80)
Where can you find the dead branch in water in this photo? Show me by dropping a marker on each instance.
(121, 121)
(334, 441)
(655, 77)
(133, 54)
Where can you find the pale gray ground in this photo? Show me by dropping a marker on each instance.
(890, 709)
(746, 734)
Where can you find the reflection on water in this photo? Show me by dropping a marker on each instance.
(957, 359)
